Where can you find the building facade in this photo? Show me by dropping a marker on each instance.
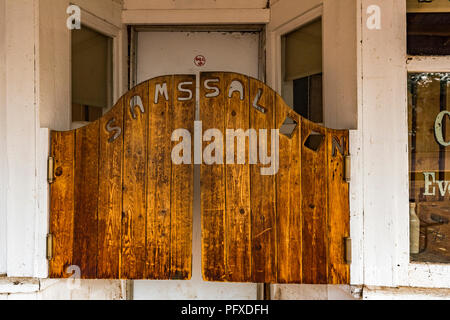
(362, 72)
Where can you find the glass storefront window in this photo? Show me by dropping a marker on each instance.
(429, 166)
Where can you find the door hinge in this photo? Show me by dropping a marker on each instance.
(50, 171)
(348, 250)
(347, 168)
(49, 246)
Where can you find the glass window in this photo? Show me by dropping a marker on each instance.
(429, 166)
(302, 71)
(91, 74)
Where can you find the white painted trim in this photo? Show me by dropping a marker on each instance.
(11, 285)
(21, 128)
(206, 16)
(418, 274)
(119, 36)
(3, 135)
(428, 64)
(404, 293)
(98, 24)
(356, 187)
(275, 45)
(108, 10)
(193, 4)
(42, 217)
(384, 132)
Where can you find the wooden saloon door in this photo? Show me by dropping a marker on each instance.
(120, 208)
(288, 227)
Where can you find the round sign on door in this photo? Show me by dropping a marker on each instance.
(200, 61)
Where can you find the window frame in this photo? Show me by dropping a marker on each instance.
(277, 41)
(117, 35)
(425, 274)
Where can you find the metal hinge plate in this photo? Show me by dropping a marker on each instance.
(49, 246)
(348, 250)
(347, 168)
(50, 166)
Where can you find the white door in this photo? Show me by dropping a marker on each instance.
(165, 53)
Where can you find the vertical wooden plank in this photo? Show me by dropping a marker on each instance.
(86, 200)
(110, 193)
(213, 185)
(289, 199)
(338, 207)
(262, 192)
(133, 256)
(159, 178)
(237, 179)
(62, 202)
(314, 206)
(182, 188)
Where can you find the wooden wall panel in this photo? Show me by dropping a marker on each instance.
(299, 216)
(338, 207)
(182, 187)
(110, 194)
(86, 200)
(159, 180)
(289, 199)
(262, 192)
(237, 182)
(314, 206)
(134, 217)
(212, 112)
(62, 202)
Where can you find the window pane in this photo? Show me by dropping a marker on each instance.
(91, 74)
(302, 71)
(429, 33)
(304, 51)
(429, 163)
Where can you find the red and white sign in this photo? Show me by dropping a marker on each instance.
(200, 61)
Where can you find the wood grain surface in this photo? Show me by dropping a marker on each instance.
(120, 208)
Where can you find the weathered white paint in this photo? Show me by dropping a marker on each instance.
(34, 88)
(193, 4)
(162, 53)
(405, 293)
(339, 24)
(284, 11)
(3, 160)
(356, 187)
(21, 120)
(286, 16)
(422, 274)
(311, 292)
(385, 140)
(34, 289)
(428, 64)
(108, 10)
(42, 216)
(379, 147)
(55, 55)
(11, 285)
(196, 16)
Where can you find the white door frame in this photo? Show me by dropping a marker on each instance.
(263, 291)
